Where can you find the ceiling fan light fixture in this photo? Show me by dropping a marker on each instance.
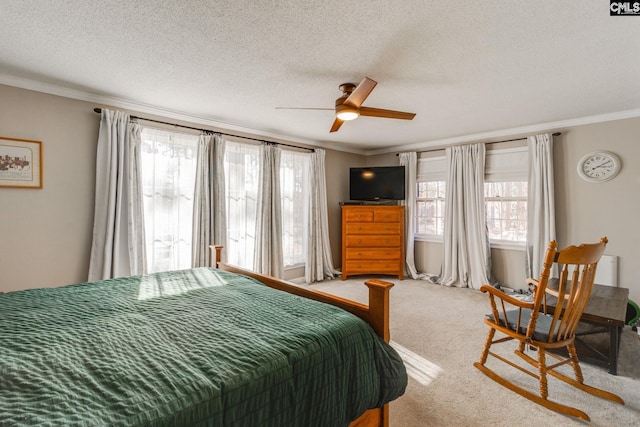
(346, 112)
(347, 115)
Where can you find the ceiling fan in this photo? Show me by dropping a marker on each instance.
(349, 105)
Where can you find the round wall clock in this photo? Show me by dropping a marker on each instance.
(599, 166)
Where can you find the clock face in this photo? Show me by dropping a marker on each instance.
(599, 166)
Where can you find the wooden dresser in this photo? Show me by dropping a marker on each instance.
(372, 240)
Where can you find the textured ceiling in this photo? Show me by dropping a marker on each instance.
(468, 69)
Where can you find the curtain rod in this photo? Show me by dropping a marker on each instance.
(494, 142)
(209, 131)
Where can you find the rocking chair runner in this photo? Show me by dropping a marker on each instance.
(532, 324)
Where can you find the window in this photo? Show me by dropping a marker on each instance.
(241, 170)
(294, 184)
(168, 175)
(430, 208)
(506, 205)
(168, 166)
(430, 197)
(505, 192)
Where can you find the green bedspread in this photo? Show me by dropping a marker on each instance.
(191, 347)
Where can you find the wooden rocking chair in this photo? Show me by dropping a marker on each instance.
(536, 325)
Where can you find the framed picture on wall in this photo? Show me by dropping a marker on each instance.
(20, 163)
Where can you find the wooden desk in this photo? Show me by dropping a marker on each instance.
(607, 308)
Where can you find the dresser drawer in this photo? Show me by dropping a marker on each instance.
(373, 254)
(388, 215)
(355, 267)
(372, 241)
(359, 215)
(373, 228)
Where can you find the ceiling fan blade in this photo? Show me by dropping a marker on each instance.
(336, 125)
(389, 114)
(303, 108)
(361, 92)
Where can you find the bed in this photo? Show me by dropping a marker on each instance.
(206, 346)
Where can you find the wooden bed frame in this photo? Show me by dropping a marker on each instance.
(376, 313)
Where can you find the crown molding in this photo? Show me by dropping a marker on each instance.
(510, 133)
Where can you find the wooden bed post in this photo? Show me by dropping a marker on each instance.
(217, 254)
(379, 321)
(379, 306)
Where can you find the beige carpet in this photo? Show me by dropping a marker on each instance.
(439, 332)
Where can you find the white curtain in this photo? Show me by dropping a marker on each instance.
(294, 196)
(541, 221)
(169, 175)
(466, 258)
(209, 201)
(117, 249)
(410, 162)
(268, 246)
(138, 257)
(319, 263)
(242, 171)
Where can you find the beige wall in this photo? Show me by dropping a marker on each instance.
(383, 160)
(586, 211)
(337, 169)
(46, 234)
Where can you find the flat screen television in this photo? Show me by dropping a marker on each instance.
(377, 183)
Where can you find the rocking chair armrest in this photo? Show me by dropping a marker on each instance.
(504, 297)
(531, 282)
(553, 292)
